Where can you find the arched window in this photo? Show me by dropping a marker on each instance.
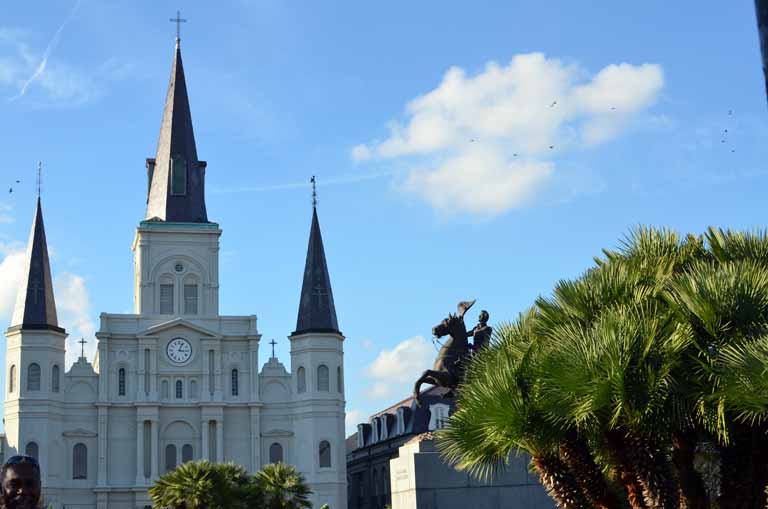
(164, 390)
(32, 450)
(179, 389)
(235, 387)
(190, 295)
(301, 380)
(339, 380)
(322, 378)
(33, 377)
(186, 453)
(55, 378)
(12, 379)
(80, 462)
(170, 457)
(275, 453)
(325, 454)
(166, 296)
(121, 382)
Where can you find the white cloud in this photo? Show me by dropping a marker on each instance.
(73, 306)
(11, 267)
(393, 372)
(352, 419)
(483, 144)
(32, 74)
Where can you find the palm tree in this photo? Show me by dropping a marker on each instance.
(498, 412)
(202, 484)
(283, 487)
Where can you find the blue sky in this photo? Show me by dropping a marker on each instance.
(429, 126)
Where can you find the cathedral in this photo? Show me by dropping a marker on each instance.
(174, 381)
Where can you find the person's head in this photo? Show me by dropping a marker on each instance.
(20, 483)
(484, 316)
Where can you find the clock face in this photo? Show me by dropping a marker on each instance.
(179, 350)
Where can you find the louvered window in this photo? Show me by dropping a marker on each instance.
(322, 378)
(190, 299)
(33, 377)
(121, 382)
(55, 378)
(179, 389)
(178, 176)
(166, 299)
(301, 380)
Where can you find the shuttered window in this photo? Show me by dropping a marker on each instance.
(190, 299)
(166, 299)
(33, 377)
(322, 378)
(80, 462)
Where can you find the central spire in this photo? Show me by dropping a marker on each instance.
(176, 177)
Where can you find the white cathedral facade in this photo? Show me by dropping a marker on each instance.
(174, 381)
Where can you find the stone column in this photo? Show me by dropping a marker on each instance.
(204, 431)
(139, 452)
(140, 396)
(153, 390)
(155, 450)
(220, 440)
(255, 439)
(101, 476)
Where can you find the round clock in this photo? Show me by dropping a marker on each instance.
(179, 350)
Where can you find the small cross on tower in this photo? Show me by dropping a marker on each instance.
(39, 177)
(178, 20)
(82, 347)
(273, 343)
(314, 191)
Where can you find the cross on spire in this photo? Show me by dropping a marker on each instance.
(39, 177)
(82, 347)
(178, 20)
(273, 343)
(314, 191)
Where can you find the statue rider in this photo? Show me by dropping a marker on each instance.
(481, 332)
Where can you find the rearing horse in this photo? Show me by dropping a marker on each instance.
(448, 370)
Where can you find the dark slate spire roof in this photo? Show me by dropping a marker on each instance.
(316, 310)
(35, 305)
(176, 141)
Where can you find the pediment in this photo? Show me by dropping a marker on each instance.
(79, 433)
(277, 433)
(177, 322)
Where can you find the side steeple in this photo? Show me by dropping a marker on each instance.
(176, 177)
(35, 305)
(317, 312)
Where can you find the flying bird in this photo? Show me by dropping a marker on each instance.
(10, 190)
(514, 155)
(554, 103)
(613, 107)
(551, 147)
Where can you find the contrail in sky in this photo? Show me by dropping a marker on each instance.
(51, 46)
(298, 185)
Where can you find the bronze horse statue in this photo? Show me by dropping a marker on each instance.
(448, 369)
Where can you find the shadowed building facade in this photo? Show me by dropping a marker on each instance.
(173, 381)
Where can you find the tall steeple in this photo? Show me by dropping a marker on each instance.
(317, 312)
(35, 305)
(176, 177)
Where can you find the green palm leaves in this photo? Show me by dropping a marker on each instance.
(202, 484)
(614, 382)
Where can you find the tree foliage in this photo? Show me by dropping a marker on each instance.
(630, 384)
(203, 484)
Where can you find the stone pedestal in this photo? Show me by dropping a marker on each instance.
(421, 480)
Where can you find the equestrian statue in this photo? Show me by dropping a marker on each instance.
(448, 370)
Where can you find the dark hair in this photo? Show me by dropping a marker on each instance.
(20, 460)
